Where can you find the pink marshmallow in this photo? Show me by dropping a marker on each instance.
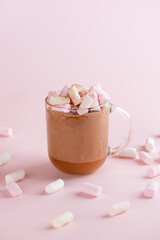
(64, 91)
(145, 157)
(96, 89)
(92, 189)
(14, 189)
(154, 171)
(151, 189)
(103, 98)
(6, 132)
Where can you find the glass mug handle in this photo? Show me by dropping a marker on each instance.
(124, 114)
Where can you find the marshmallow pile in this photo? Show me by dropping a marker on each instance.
(147, 158)
(87, 189)
(78, 99)
(11, 178)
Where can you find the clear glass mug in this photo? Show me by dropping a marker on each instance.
(78, 144)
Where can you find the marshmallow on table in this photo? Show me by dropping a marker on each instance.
(145, 157)
(154, 171)
(151, 189)
(118, 208)
(92, 189)
(74, 95)
(14, 189)
(128, 153)
(149, 144)
(15, 176)
(64, 91)
(59, 100)
(54, 186)
(63, 219)
(4, 158)
(85, 105)
(6, 132)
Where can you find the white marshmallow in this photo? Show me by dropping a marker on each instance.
(86, 102)
(92, 189)
(118, 208)
(95, 103)
(129, 153)
(74, 95)
(82, 111)
(63, 219)
(15, 176)
(54, 186)
(4, 158)
(59, 100)
(6, 132)
(149, 144)
(151, 189)
(85, 105)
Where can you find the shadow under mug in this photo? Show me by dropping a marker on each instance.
(78, 144)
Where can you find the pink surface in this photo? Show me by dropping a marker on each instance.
(44, 45)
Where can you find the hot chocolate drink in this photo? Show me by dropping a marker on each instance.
(77, 132)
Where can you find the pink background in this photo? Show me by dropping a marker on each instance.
(45, 44)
